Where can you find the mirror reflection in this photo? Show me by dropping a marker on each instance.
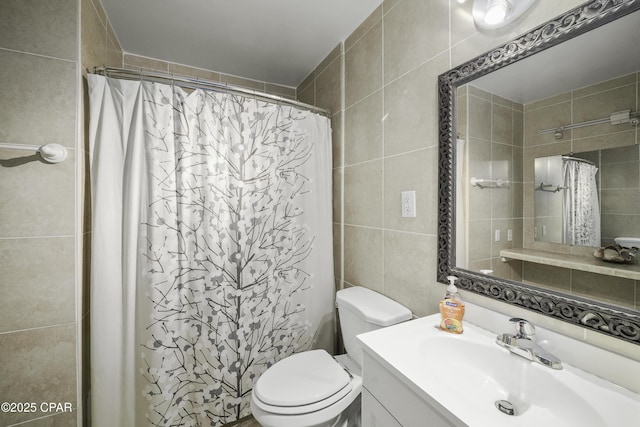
(588, 199)
(547, 166)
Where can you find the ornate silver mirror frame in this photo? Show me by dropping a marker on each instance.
(613, 321)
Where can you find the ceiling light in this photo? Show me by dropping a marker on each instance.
(493, 14)
(496, 11)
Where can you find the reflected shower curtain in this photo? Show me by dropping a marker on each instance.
(581, 209)
(211, 249)
(461, 204)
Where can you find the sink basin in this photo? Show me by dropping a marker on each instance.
(471, 377)
(628, 242)
(491, 374)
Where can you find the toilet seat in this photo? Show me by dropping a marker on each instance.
(302, 383)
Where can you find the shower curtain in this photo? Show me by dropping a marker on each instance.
(581, 210)
(211, 249)
(461, 204)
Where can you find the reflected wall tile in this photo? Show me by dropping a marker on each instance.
(620, 175)
(31, 19)
(363, 257)
(629, 79)
(479, 118)
(502, 124)
(37, 282)
(501, 161)
(602, 105)
(621, 155)
(613, 290)
(479, 235)
(553, 116)
(609, 140)
(620, 201)
(42, 361)
(33, 110)
(547, 276)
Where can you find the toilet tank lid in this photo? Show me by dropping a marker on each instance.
(372, 306)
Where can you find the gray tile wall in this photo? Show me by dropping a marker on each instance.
(385, 141)
(39, 248)
(618, 175)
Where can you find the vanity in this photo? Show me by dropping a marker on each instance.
(416, 375)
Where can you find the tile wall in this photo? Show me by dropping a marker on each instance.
(45, 227)
(618, 175)
(619, 179)
(492, 129)
(382, 84)
(40, 240)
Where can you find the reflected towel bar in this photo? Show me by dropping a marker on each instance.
(549, 188)
(489, 183)
(50, 153)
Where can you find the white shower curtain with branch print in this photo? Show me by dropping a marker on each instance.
(581, 210)
(211, 252)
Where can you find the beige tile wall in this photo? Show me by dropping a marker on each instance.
(138, 62)
(39, 236)
(618, 175)
(492, 128)
(385, 141)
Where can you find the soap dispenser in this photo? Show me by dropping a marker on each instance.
(451, 308)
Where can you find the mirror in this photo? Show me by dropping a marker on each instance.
(515, 112)
(600, 188)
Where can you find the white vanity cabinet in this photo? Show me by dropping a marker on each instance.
(387, 401)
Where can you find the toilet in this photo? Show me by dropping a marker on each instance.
(314, 389)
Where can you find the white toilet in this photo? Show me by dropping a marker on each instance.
(312, 389)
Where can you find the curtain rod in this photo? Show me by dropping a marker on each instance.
(578, 159)
(197, 83)
(616, 118)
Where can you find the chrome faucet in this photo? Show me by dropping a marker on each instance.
(523, 345)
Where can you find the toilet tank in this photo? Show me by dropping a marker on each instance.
(362, 310)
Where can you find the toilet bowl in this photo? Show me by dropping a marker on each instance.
(314, 389)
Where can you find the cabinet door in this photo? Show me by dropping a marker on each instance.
(374, 414)
(400, 401)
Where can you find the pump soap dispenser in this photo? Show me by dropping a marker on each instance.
(451, 308)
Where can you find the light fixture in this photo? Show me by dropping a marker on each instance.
(493, 14)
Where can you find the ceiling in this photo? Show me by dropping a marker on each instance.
(596, 56)
(276, 41)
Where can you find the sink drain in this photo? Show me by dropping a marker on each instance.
(506, 407)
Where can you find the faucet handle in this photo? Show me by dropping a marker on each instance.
(523, 327)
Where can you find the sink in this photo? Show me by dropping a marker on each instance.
(490, 374)
(479, 383)
(628, 242)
